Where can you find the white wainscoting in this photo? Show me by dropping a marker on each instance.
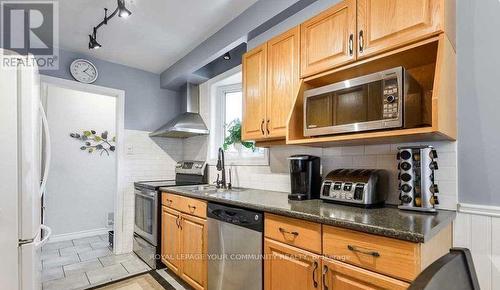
(477, 227)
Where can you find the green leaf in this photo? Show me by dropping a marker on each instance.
(97, 138)
(87, 133)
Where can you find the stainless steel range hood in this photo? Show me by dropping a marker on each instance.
(187, 124)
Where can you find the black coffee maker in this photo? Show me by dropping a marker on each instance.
(305, 177)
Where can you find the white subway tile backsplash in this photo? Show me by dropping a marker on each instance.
(145, 159)
(352, 150)
(378, 149)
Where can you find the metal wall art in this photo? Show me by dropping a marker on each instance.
(94, 142)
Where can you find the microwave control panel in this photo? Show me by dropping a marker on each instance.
(391, 98)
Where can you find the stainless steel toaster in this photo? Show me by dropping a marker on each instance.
(354, 187)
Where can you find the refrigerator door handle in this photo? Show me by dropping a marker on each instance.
(48, 233)
(48, 149)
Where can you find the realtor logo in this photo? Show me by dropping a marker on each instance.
(31, 27)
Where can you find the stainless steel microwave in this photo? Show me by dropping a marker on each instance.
(383, 100)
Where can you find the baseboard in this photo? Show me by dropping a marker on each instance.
(78, 235)
(486, 210)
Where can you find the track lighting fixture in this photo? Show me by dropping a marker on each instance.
(122, 12)
(227, 56)
(93, 44)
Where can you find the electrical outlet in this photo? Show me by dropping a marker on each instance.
(130, 150)
(111, 219)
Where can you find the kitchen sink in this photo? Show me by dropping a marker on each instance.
(212, 189)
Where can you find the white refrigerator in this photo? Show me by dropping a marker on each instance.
(23, 175)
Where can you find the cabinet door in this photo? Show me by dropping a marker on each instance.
(254, 93)
(282, 80)
(329, 39)
(290, 268)
(194, 250)
(170, 238)
(385, 24)
(338, 275)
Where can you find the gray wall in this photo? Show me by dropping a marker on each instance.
(478, 101)
(227, 38)
(147, 106)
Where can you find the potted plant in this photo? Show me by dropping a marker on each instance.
(234, 136)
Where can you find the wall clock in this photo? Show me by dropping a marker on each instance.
(83, 71)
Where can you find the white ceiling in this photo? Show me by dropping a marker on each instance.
(155, 36)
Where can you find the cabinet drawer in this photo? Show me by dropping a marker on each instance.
(184, 204)
(171, 200)
(392, 257)
(299, 233)
(193, 206)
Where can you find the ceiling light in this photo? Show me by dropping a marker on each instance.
(227, 56)
(93, 44)
(122, 10)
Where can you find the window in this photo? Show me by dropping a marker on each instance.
(227, 111)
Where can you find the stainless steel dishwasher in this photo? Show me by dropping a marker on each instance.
(234, 248)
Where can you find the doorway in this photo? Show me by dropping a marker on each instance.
(84, 196)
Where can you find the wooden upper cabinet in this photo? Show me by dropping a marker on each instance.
(254, 93)
(290, 268)
(194, 247)
(282, 80)
(329, 39)
(338, 275)
(385, 24)
(170, 239)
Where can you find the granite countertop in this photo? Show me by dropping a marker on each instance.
(388, 221)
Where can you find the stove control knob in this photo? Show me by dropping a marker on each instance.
(433, 154)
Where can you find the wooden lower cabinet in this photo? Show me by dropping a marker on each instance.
(290, 268)
(340, 276)
(184, 246)
(170, 238)
(194, 250)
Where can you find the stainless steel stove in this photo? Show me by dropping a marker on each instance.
(147, 225)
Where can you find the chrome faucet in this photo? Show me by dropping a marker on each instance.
(221, 167)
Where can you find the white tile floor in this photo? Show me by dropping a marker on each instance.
(84, 263)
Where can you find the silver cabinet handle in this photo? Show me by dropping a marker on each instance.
(361, 44)
(351, 44)
(366, 252)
